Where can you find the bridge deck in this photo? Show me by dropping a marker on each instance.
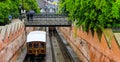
(48, 20)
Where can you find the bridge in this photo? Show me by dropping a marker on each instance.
(48, 20)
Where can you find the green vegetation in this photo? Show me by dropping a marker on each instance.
(11, 7)
(92, 14)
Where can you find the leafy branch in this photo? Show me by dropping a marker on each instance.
(93, 14)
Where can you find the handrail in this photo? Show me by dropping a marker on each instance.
(50, 15)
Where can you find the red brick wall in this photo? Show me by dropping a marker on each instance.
(90, 48)
(12, 39)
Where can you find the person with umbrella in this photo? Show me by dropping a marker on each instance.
(28, 15)
(32, 12)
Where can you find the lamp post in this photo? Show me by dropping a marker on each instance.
(22, 3)
(20, 7)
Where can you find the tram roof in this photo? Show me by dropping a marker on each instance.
(36, 36)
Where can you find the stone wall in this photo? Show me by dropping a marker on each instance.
(92, 48)
(12, 42)
(29, 29)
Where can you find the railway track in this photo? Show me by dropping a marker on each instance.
(56, 50)
(59, 52)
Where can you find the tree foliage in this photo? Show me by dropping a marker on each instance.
(11, 7)
(92, 14)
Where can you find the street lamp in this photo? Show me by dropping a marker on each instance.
(22, 3)
(20, 7)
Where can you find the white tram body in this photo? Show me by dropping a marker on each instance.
(36, 42)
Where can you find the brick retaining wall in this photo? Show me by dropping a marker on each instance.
(12, 39)
(90, 48)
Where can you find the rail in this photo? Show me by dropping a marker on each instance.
(61, 52)
(50, 15)
(48, 19)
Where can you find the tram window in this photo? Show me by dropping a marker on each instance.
(30, 51)
(36, 45)
(42, 45)
(42, 51)
(30, 45)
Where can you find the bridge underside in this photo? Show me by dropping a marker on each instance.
(48, 22)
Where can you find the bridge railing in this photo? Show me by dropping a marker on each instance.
(50, 15)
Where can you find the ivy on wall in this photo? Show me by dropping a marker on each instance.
(92, 14)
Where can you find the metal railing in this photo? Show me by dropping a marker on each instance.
(50, 15)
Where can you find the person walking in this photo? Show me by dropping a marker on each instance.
(32, 12)
(10, 18)
(28, 15)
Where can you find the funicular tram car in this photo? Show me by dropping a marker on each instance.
(36, 43)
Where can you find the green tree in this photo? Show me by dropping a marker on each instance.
(93, 14)
(11, 7)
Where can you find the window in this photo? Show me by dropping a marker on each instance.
(30, 45)
(36, 44)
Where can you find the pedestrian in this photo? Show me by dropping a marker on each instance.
(10, 18)
(28, 15)
(32, 12)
